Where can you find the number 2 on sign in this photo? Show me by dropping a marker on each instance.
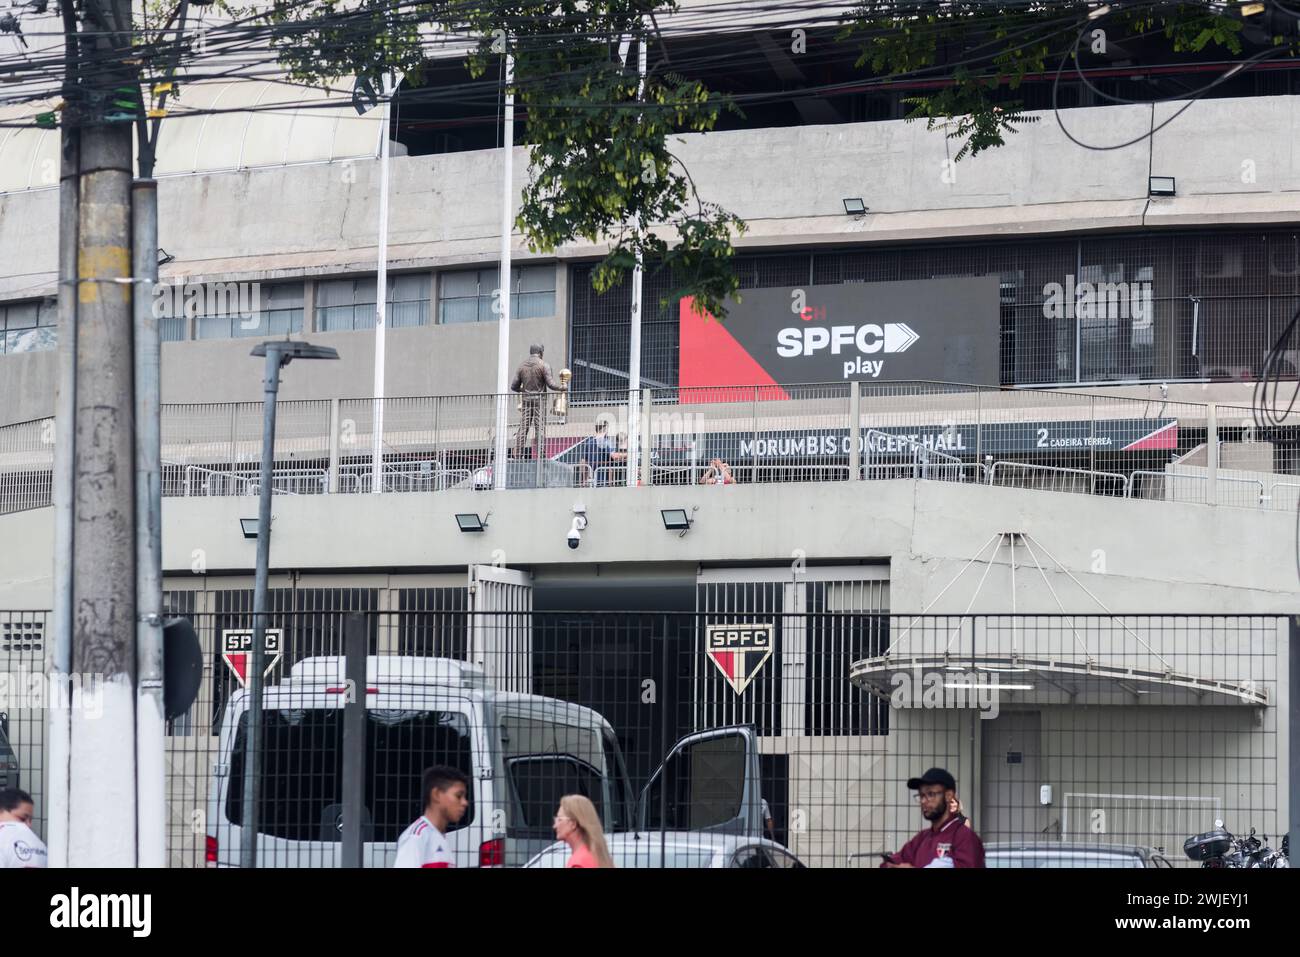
(1042, 438)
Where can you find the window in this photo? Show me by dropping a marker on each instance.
(241, 310)
(540, 781)
(619, 816)
(28, 326)
(345, 304)
(303, 789)
(466, 296)
(545, 761)
(706, 780)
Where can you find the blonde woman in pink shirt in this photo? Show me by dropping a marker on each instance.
(578, 825)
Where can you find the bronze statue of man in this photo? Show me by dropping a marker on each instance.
(532, 379)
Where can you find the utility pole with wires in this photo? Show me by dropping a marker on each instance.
(93, 820)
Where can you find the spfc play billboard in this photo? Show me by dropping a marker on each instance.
(940, 329)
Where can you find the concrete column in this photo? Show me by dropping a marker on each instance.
(855, 431)
(332, 485)
(308, 306)
(1212, 454)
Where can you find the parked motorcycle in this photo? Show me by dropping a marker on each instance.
(1219, 848)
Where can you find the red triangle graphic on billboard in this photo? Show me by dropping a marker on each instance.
(709, 355)
(1165, 437)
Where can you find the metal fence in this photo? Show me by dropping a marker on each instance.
(749, 733)
(24, 697)
(1060, 441)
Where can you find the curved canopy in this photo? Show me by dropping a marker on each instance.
(962, 681)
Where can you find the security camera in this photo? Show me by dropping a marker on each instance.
(574, 537)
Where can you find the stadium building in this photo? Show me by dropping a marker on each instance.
(1000, 500)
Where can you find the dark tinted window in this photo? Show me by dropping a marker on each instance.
(303, 770)
(539, 781)
(620, 815)
(705, 782)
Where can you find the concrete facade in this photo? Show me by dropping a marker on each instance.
(318, 220)
(1193, 558)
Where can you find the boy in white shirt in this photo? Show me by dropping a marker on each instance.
(446, 796)
(19, 845)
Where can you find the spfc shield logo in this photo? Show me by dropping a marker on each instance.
(739, 651)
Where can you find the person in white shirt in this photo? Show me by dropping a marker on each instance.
(445, 792)
(19, 845)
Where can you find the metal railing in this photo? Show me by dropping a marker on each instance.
(1169, 483)
(925, 462)
(1063, 441)
(1054, 478)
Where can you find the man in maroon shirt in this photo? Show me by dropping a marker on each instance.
(949, 841)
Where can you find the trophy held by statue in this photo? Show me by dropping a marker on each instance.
(561, 407)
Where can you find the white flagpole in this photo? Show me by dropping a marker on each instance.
(634, 346)
(503, 279)
(381, 300)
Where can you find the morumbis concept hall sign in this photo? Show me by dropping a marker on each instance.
(939, 329)
(962, 441)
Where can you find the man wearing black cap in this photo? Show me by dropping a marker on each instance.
(949, 841)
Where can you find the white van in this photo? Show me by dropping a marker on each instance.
(521, 753)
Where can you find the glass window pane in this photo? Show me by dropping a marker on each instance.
(243, 327)
(536, 279)
(22, 315)
(336, 292)
(31, 340)
(363, 316)
(408, 288)
(458, 285)
(406, 314)
(458, 310)
(212, 327)
(534, 305)
(334, 318)
(283, 295)
(173, 328)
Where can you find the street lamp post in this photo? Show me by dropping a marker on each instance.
(278, 353)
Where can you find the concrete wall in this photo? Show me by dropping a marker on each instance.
(787, 183)
(322, 219)
(1136, 556)
(425, 360)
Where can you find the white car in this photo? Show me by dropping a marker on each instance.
(681, 849)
